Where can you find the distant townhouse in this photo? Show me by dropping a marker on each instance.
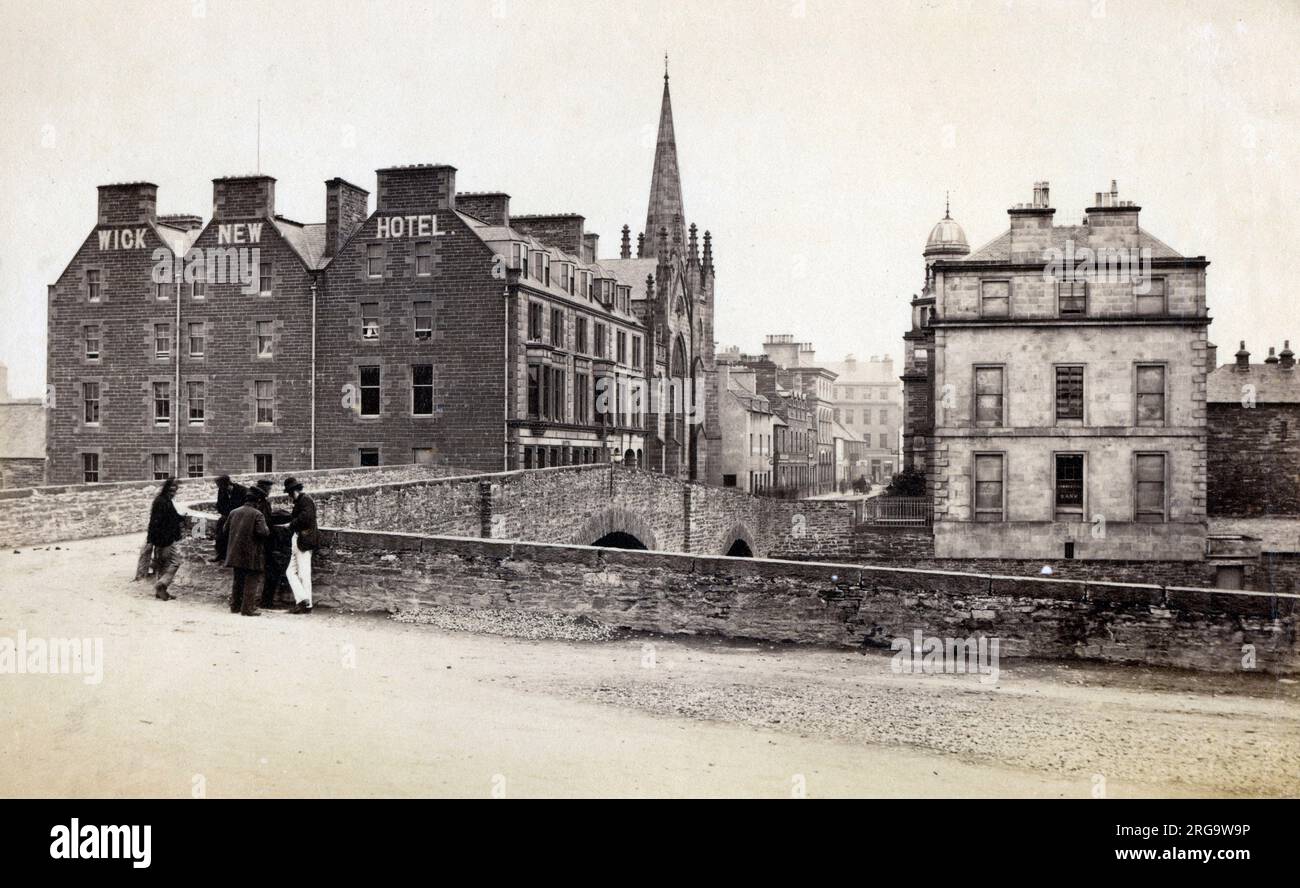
(868, 401)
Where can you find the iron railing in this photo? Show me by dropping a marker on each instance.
(913, 511)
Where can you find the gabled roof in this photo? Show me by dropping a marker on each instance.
(178, 240)
(308, 241)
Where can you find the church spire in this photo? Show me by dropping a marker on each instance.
(666, 209)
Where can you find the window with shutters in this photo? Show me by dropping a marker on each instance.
(1069, 391)
(1149, 469)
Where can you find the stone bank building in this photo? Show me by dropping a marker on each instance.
(436, 328)
(1059, 411)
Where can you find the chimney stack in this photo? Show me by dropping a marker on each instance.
(493, 207)
(417, 188)
(243, 197)
(590, 247)
(1287, 356)
(1243, 357)
(1108, 211)
(346, 207)
(128, 203)
(1211, 357)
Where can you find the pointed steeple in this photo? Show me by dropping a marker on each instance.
(666, 209)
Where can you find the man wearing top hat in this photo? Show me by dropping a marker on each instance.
(305, 538)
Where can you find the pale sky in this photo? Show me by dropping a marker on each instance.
(816, 139)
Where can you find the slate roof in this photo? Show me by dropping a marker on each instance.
(1273, 384)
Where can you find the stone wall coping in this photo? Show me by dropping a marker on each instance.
(327, 492)
(844, 573)
(343, 471)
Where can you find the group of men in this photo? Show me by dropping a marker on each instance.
(251, 540)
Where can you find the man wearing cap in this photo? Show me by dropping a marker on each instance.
(302, 524)
(246, 534)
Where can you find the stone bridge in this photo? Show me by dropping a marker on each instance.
(592, 505)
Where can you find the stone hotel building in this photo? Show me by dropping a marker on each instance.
(437, 328)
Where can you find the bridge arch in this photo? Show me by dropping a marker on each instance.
(613, 526)
(739, 542)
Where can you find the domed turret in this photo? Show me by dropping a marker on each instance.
(946, 238)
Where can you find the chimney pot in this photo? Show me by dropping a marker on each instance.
(1272, 358)
(1287, 356)
(1243, 357)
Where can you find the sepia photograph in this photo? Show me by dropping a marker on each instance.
(539, 399)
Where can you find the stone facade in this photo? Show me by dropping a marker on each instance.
(1068, 400)
(1254, 437)
(424, 332)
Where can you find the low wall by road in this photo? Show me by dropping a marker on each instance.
(32, 515)
(843, 605)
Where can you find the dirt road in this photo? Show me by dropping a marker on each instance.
(195, 699)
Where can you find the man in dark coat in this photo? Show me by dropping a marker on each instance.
(304, 539)
(164, 533)
(247, 532)
(277, 545)
(230, 496)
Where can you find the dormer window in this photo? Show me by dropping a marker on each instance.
(519, 259)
